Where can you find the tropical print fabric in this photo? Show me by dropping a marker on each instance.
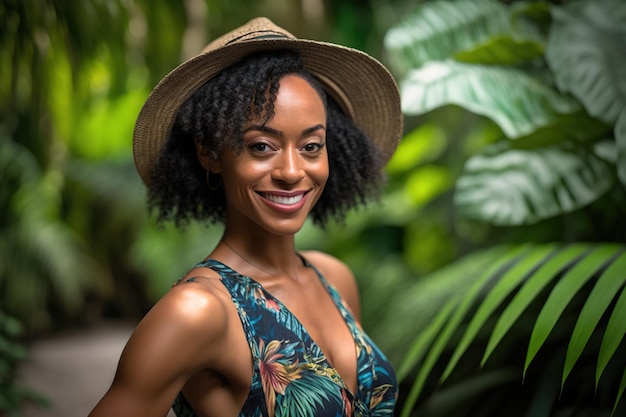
(292, 377)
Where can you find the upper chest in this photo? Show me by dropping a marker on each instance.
(307, 312)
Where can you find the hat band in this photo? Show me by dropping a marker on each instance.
(265, 34)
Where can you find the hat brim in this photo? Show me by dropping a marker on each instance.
(360, 84)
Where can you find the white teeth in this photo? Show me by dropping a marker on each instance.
(284, 200)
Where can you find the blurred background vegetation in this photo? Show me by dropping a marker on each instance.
(492, 270)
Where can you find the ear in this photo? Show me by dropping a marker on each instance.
(207, 159)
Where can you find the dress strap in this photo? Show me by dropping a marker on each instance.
(239, 286)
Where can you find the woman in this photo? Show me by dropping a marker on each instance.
(259, 131)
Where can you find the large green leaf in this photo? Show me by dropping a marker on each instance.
(587, 53)
(599, 300)
(508, 186)
(502, 50)
(562, 294)
(517, 101)
(440, 29)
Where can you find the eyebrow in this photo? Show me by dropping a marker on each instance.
(276, 132)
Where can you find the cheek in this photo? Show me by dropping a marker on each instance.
(322, 171)
(244, 174)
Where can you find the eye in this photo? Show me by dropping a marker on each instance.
(259, 147)
(313, 147)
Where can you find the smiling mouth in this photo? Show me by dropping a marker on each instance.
(284, 200)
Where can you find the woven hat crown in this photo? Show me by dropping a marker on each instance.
(256, 29)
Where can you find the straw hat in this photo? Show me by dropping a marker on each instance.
(361, 85)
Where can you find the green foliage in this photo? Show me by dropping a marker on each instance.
(553, 162)
(44, 266)
(539, 284)
(76, 76)
(515, 117)
(509, 185)
(12, 353)
(519, 95)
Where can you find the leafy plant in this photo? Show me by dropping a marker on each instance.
(13, 352)
(43, 264)
(546, 85)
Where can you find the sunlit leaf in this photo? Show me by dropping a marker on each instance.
(562, 294)
(96, 137)
(529, 292)
(426, 183)
(505, 285)
(420, 145)
(508, 186)
(518, 102)
(604, 291)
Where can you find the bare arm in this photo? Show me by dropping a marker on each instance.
(172, 342)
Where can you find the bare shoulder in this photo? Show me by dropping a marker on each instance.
(182, 334)
(339, 275)
(181, 314)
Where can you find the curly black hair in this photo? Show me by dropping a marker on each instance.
(214, 116)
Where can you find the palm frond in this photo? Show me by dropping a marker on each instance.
(524, 275)
(419, 305)
(563, 292)
(456, 308)
(501, 290)
(615, 331)
(608, 286)
(533, 286)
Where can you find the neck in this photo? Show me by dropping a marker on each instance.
(267, 257)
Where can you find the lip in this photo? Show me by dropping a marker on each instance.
(284, 202)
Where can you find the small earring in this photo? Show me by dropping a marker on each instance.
(216, 185)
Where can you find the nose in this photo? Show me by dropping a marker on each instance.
(288, 167)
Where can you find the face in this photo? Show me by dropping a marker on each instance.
(279, 175)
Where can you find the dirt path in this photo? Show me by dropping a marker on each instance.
(74, 370)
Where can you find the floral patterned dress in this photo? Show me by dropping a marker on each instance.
(292, 377)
